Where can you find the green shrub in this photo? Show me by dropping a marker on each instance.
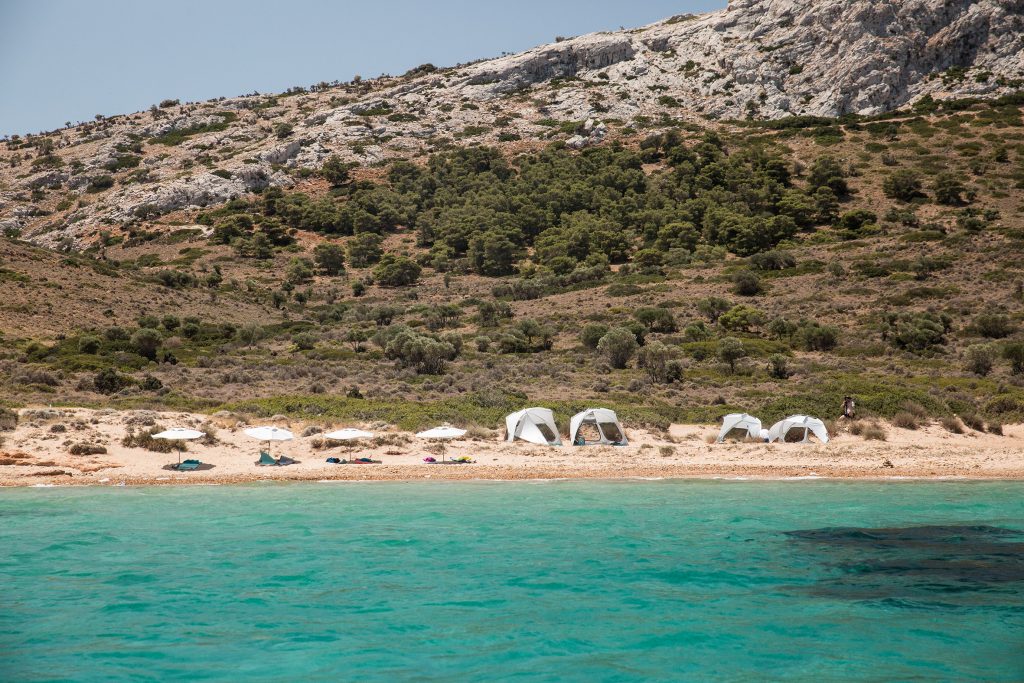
(492, 312)
(827, 172)
(916, 332)
(122, 162)
(592, 333)
(773, 260)
(979, 358)
(8, 419)
(329, 258)
(89, 344)
(952, 424)
(146, 341)
(304, 341)
(873, 432)
(813, 336)
(778, 366)
(993, 325)
(659, 362)
(396, 271)
(177, 136)
(905, 420)
(618, 345)
(299, 271)
(145, 439)
(713, 307)
(336, 171)
(730, 350)
(904, 185)
(428, 355)
(741, 318)
(656, 319)
(949, 189)
(100, 183)
(1015, 354)
(364, 249)
(83, 448)
(109, 381)
(974, 421)
(746, 283)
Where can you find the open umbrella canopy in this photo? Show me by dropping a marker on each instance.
(442, 433)
(270, 433)
(179, 434)
(348, 434)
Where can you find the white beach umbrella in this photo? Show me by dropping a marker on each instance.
(269, 433)
(179, 434)
(442, 434)
(348, 434)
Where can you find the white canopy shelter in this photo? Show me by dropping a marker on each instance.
(749, 423)
(536, 425)
(606, 423)
(810, 425)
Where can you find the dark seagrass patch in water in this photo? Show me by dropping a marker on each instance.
(918, 566)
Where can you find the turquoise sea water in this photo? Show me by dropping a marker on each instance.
(605, 581)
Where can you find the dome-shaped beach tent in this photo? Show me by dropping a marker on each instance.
(810, 425)
(748, 423)
(606, 424)
(536, 425)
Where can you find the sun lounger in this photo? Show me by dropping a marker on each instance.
(188, 465)
(265, 460)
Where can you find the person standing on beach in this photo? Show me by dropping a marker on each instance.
(849, 407)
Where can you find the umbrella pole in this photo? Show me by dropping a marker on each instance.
(179, 455)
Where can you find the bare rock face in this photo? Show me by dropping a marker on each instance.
(562, 60)
(762, 59)
(775, 58)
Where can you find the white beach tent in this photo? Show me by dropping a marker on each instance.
(740, 421)
(606, 422)
(536, 425)
(809, 424)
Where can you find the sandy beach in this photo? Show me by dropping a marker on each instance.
(37, 453)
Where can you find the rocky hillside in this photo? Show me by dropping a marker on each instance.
(757, 59)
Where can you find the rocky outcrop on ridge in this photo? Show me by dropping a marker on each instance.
(764, 59)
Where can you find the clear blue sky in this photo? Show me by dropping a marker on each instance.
(68, 60)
